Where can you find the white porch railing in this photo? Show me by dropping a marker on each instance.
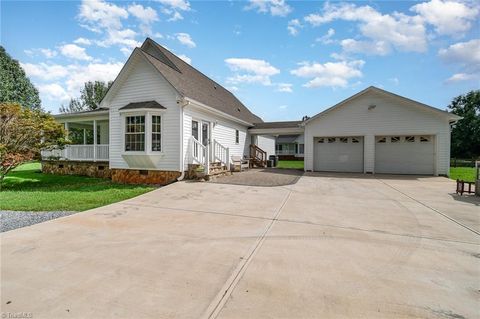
(99, 152)
(221, 154)
(285, 152)
(199, 154)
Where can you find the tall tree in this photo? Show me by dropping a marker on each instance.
(15, 86)
(466, 133)
(90, 97)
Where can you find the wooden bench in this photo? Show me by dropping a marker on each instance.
(461, 187)
(240, 162)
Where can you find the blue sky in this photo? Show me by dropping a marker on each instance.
(282, 59)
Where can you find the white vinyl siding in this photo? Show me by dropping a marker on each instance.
(142, 83)
(391, 116)
(266, 143)
(223, 131)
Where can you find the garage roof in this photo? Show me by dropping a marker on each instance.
(451, 116)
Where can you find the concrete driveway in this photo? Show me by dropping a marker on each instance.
(329, 246)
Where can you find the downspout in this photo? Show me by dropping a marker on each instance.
(182, 103)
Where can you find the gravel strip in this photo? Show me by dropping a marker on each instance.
(10, 220)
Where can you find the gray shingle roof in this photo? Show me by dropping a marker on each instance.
(193, 84)
(285, 124)
(143, 105)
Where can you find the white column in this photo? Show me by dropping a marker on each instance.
(67, 135)
(84, 137)
(94, 140)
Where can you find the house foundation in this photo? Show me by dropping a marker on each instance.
(132, 176)
(82, 168)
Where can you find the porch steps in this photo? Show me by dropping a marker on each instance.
(217, 170)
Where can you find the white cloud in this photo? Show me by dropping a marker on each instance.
(53, 91)
(176, 4)
(106, 18)
(75, 52)
(45, 71)
(467, 56)
(185, 58)
(327, 38)
(330, 74)
(251, 71)
(367, 47)
(283, 107)
(146, 15)
(464, 53)
(274, 7)
(448, 17)
(404, 33)
(395, 81)
(48, 53)
(82, 41)
(459, 77)
(98, 14)
(172, 8)
(185, 39)
(72, 76)
(284, 87)
(293, 26)
(232, 88)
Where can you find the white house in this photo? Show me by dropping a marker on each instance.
(162, 116)
(159, 116)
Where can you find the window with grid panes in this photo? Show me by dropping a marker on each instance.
(156, 133)
(135, 133)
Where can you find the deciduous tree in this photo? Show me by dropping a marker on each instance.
(23, 133)
(466, 133)
(90, 97)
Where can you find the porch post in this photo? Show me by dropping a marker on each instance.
(84, 136)
(94, 140)
(67, 133)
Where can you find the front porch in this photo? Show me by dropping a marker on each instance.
(89, 134)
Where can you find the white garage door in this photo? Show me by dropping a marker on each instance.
(338, 154)
(404, 155)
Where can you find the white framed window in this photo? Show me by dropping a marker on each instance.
(156, 133)
(135, 133)
(331, 140)
(343, 139)
(409, 139)
(424, 139)
(355, 140)
(395, 139)
(320, 140)
(382, 140)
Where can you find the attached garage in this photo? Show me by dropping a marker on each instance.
(375, 131)
(339, 154)
(411, 154)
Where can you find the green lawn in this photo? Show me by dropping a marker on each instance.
(290, 164)
(463, 173)
(27, 188)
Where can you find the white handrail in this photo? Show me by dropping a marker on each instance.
(99, 152)
(221, 154)
(199, 153)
